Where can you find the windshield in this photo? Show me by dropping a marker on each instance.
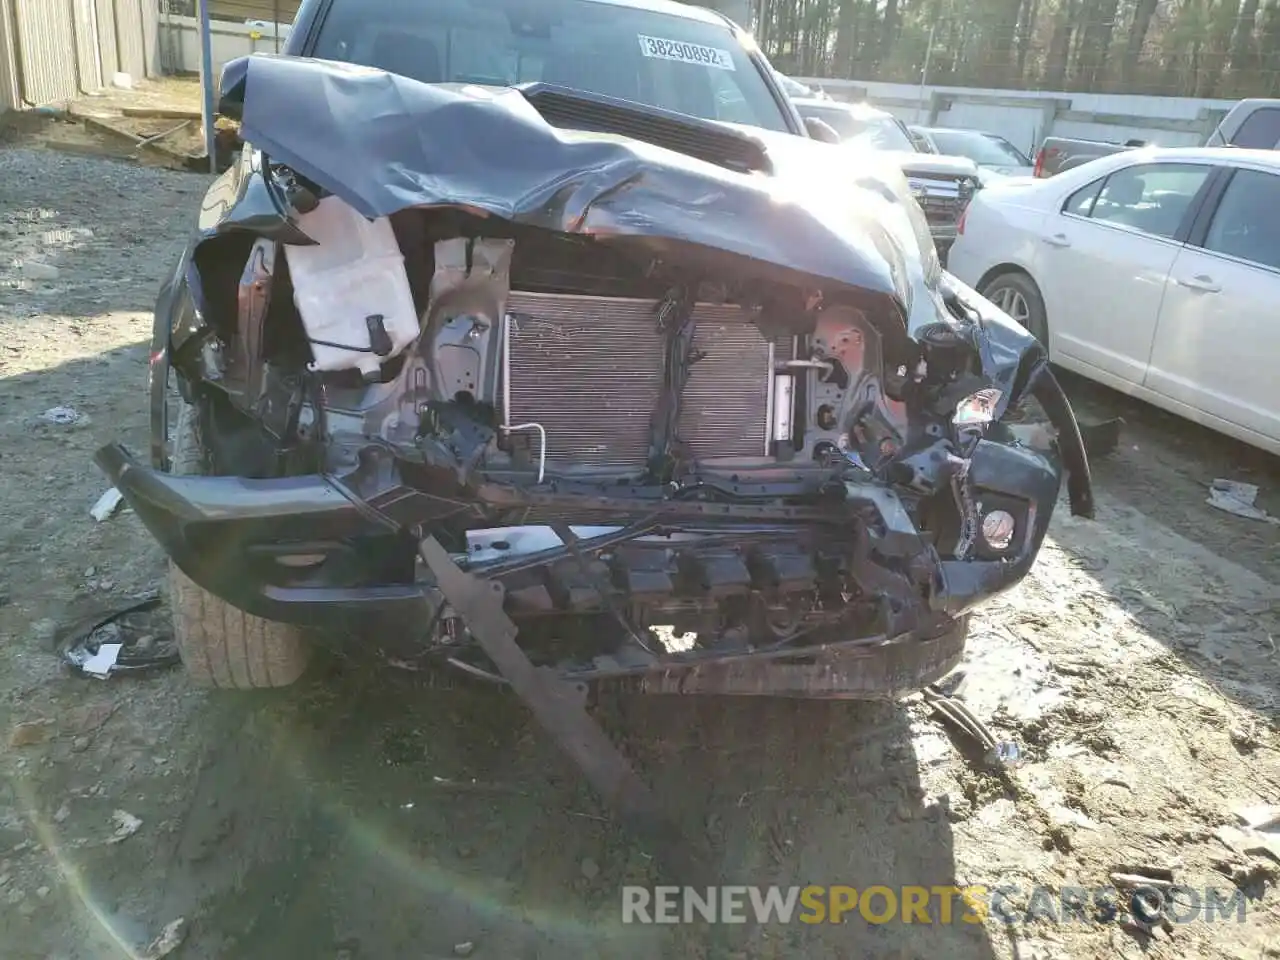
(877, 132)
(794, 88)
(985, 149)
(645, 56)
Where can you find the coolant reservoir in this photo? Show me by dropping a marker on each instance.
(351, 289)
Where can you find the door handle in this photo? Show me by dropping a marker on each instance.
(1057, 240)
(1200, 282)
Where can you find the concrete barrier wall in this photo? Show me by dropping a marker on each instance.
(1026, 117)
(180, 44)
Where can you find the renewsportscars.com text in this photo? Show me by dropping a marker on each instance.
(928, 905)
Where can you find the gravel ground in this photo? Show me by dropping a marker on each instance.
(368, 814)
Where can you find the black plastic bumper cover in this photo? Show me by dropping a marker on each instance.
(214, 529)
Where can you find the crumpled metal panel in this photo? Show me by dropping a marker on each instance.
(358, 132)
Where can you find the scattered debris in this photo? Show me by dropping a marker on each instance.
(590, 869)
(1135, 880)
(122, 81)
(124, 640)
(1250, 841)
(100, 663)
(961, 717)
(1238, 498)
(30, 732)
(464, 949)
(168, 132)
(126, 825)
(170, 939)
(62, 813)
(64, 416)
(1265, 818)
(1007, 753)
(108, 505)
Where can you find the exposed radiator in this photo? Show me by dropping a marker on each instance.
(589, 369)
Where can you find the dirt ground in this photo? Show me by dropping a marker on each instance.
(368, 813)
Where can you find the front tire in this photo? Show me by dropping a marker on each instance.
(222, 646)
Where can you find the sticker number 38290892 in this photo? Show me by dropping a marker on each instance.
(685, 52)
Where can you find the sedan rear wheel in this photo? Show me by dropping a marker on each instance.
(1017, 295)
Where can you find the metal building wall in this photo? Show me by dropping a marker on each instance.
(10, 96)
(88, 60)
(105, 18)
(56, 50)
(131, 35)
(46, 51)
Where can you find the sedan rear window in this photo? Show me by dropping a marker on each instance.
(1152, 198)
(645, 56)
(983, 149)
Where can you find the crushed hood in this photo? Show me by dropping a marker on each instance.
(383, 143)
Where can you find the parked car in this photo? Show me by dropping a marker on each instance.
(1156, 272)
(942, 185)
(991, 152)
(1250, 124)
(623, 395)
(1057, 154)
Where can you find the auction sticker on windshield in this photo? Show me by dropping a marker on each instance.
(660, 49)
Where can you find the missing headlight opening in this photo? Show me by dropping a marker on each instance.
(652, 401)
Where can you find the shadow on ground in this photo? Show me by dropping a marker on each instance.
(1203, 583)
(382, 815)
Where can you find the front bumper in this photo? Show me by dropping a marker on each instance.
(305, 550)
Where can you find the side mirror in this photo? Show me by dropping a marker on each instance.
(820, 130)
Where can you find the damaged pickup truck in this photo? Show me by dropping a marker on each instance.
(514, 374)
